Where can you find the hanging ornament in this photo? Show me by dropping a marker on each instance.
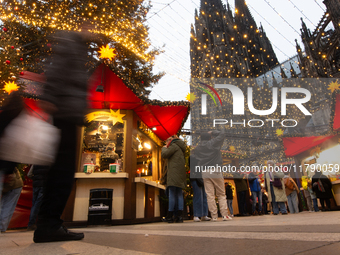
(49, 45)
(279, 132)
(107, 52)
(21, 73)
(13, 77)
(12, 47)
(191, 97)
(10, 87)
(8, 62)
(333, 86)
(142, 82)
(4, 29)
(21, 59)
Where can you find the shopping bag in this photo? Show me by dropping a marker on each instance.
(30, 140)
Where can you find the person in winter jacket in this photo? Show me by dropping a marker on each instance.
(256, 193)
(176, 176)
(209, 154)
(275, 188)
(292, 192)
(322, 187)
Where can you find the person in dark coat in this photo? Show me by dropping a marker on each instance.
(65, 97)
(38, 174)
(176, 176)
(322, 187)
(241, 189)
(229, 194)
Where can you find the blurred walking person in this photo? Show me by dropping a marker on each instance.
(65, 97)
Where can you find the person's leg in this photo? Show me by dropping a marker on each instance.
(172, 198)
(60, 178)
(230, 206)
(197, 200)
(180, 199)
(259, 196)
(328, 203)
(315, 204)
(8, 203)
(283, 208)
(205, 202)
(274, 203)
(210, 191)
(36, 203)
(322, 202)
(295, 201)
(242, 207)
(290, 203)
(253, 197)
(220, 194)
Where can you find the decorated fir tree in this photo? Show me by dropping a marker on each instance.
(118, 24)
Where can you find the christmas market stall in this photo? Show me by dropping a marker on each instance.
(119, 152)
(318, 152)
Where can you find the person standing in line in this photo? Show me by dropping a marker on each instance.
(38, 174)
(200, 204)
(241, 189)
(11, 191)
(275, 188)
(292, 192)
(313, 197)
(65, 98)
(176, 176)
(229, 194)
(209, 154)
(322, 187)
(264, 201)
(256, 193)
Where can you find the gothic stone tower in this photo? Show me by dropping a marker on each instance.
(322, 54)
(227, 46)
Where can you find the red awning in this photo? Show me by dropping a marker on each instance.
(165, 118)
(296, 145)
(336, 120)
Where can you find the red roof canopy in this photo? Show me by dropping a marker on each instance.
(166, 118)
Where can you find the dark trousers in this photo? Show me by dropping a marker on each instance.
(36, 203)
(242, 202)
(328, 203)
(60, 178)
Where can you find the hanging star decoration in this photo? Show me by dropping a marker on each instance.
(191, 97)
(232, 148)
(10, 87)
(279, 132)
(107, 52)
(333, 86)
(116, 116)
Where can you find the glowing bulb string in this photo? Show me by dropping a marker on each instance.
(282, 17)
(301, 12)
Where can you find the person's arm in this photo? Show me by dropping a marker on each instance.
(168, 152)
(295, 185)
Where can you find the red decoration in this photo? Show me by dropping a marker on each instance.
(142, 82)
(4, 29)
(21, 73)
(48, 45)
(21, 59)
(12, 47)
(8, 62)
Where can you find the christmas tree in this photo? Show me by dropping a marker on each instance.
(11, 61)
(118, 24)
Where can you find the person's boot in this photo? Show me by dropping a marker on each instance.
(179, 218)
(169, 218)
